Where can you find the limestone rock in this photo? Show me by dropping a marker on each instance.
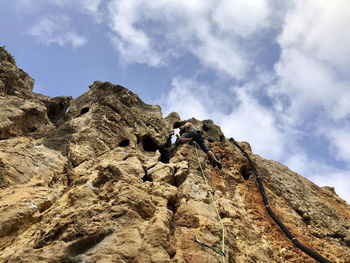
(101, 182)
(13, 81)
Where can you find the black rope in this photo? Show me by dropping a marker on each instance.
(296, 242)
(217, 250)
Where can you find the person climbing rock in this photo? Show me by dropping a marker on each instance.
(189, 134)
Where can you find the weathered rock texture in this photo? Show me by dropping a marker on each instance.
(101, 182)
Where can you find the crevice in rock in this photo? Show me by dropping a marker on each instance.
(172, 205)
(83, 245)
(175, 183)
(172, 255)
(146, 177)
(166, 151)
(337, 235)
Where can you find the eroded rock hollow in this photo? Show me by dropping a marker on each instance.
(97, 179)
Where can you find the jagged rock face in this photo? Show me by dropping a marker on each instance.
(108, 116)
(22, 112)
(13, 81)
(102, 183)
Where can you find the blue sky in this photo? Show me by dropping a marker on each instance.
(270, 72)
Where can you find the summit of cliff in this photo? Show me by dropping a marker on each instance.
(97, 179)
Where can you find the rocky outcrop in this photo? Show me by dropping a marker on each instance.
(97, 179)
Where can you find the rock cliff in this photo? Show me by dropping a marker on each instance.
(97, 179)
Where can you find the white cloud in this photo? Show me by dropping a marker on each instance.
(88, 6)
(256, 124)
(312, 86)
(85, 6)
(132, 43)
(208, 29)
(27, 6)
(312, 73)
(152, 32)
(315, 53)
(320, 28)
(56, 30)
(242, 18)
(340, 138)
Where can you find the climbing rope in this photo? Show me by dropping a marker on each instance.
(210, 192)
(302, 247)
(217, 250)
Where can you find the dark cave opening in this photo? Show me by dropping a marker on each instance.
(149, 145)
(205, 128)
(84, 110)
(124, 143)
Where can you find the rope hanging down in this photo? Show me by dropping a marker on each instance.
(210, 192)
(205, 245)
(302, 247)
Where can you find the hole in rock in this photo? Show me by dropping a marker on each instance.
(149, 145)
(124, 143)
(55, 111)
(44, 206)
(306, 219)
(205, 128)
(84, 110)
(246, 172)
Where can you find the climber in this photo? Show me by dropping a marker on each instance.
(190, 133)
